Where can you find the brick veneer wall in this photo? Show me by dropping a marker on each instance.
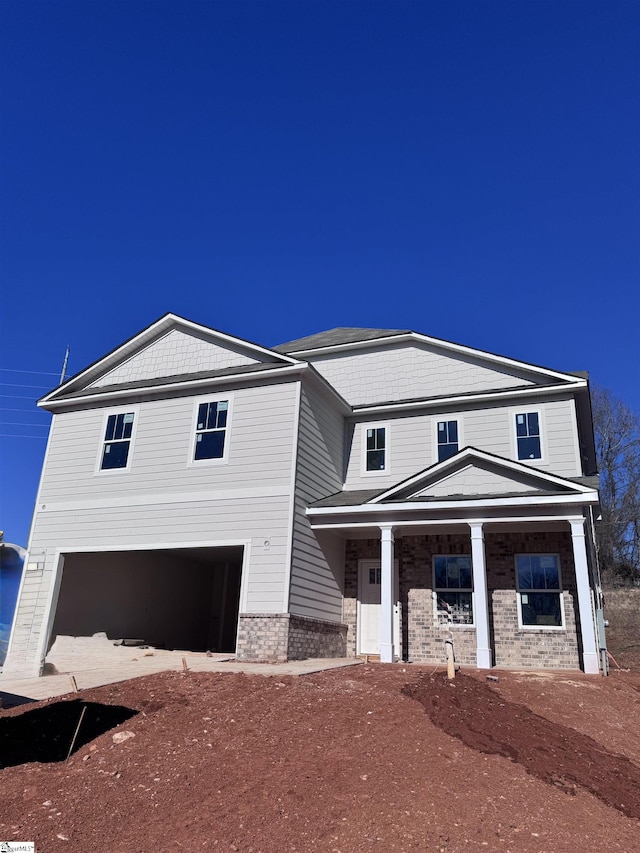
(423, 635)
(280, 637)
(530, 647)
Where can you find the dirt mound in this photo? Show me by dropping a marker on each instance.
(483, 720)
(342, 762)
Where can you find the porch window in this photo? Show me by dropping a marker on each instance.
(211, 429)
(539, 590)
(117, 441)
(454, 587)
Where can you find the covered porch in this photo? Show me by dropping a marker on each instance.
(509, 577)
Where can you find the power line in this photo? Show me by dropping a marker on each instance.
(18, 397)
(12, 435)
(37, 372)
(22, 385)
(22, 423)
(31, 411)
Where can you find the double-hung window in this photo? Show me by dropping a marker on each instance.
(447, 436)
(528, 435)
(117, 441)
(376, 448)
(539, 590)
(211, 430)
(454, 587)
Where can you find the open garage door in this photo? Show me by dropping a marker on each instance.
(184, 598)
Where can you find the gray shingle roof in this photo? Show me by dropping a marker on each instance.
(337, 336)
(177, 377)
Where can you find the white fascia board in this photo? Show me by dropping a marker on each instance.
(503, 393)
(440, 344)
(223, 336)
(445, 522)
(194, 384)
(590, 497)
(442, 470)
(169, 321)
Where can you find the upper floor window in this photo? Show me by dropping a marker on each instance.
(454, 587)
(211, 429)
(539, 590)
(528, 435)
(447, 433)
(117, 441)
(376, 449)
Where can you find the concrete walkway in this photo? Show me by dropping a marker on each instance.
(18, 691)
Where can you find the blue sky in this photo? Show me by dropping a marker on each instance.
(466, 169)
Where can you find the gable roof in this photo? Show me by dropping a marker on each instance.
(441, 482)
(94, 379)
(339, 335)
(511, 472)
(345, 339)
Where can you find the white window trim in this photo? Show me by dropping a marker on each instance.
(121, 410)
(438, 419)
(363, 450)
(543, 434)
(435, 589)
(210, 398)
(560, 592)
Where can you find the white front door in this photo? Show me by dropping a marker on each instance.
(370, 611)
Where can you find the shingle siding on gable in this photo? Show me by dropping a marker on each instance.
(407, 371)
(474, 480)
(175, 353)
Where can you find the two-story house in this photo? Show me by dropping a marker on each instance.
(355, 492)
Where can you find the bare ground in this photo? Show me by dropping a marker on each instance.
(368, 758)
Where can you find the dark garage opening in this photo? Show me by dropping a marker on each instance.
(184, 598)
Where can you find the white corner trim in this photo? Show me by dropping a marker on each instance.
(292, 499)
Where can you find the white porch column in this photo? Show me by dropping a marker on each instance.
(480, 597)
(386, 594)
(589, 648)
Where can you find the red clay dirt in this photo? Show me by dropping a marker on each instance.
(366, 758)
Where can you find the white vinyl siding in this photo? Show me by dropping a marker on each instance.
(259, 451)
(410, 371)
(490, 428)
(252, 522)
(164, 501)
(316, 566)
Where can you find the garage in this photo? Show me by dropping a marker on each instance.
(182, 598)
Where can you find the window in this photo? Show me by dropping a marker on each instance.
(454, 587)
(376, 449)
(117, 441)
(538, 584)
(447, 439)
(528, 435)
(211, 429)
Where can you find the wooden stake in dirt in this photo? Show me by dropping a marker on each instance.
(451, 666)
(73, 740)
(184, 665)
(74, 684)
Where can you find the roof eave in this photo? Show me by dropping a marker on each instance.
(149, 391)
